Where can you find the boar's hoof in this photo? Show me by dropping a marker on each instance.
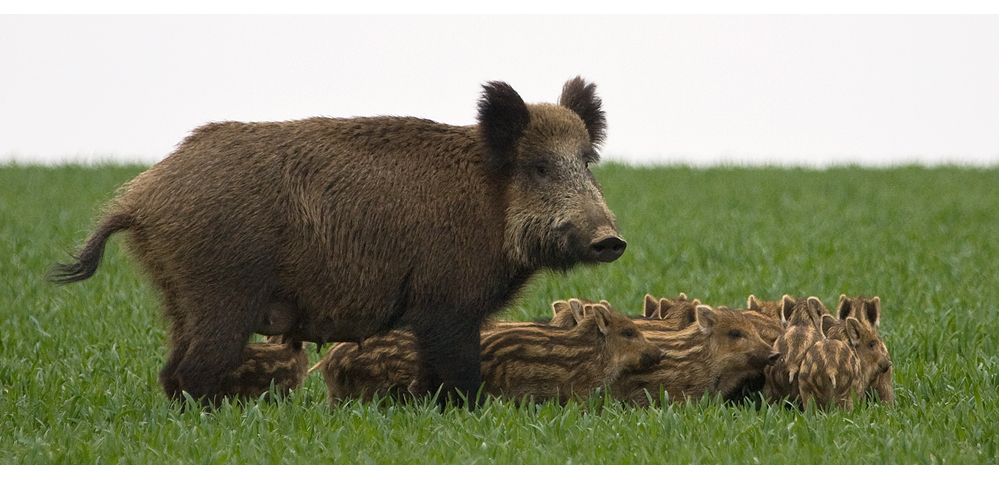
(607, 249)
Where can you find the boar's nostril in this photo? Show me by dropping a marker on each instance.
(607, 249)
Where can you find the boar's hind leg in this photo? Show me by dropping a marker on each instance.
(178, 343)
(211, 344)
(450, 359)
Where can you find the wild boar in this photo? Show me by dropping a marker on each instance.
(801, 318)
(828, 373)
(302, 228)
(382, 366)
(834, 371)
(716, 355)
(263, 365)
(868, 311)
(557, 364)
(518, 362)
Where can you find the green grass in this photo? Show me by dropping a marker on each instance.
(78, 364)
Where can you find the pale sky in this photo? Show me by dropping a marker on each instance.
(703, 89)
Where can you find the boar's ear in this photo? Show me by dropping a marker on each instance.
(503, 115)
(815, 308)
(606, 304)
(705, 317)
(664, 305)
(578, 311)
(873, 310)
(651, 306)
(681, 297)
(581, 98)
(852, 328)
(753, 304)
(824, 321)
(690, 314)
(564, 314)
(786, 308)
(843, 308)
(559, 307)
(599, 315)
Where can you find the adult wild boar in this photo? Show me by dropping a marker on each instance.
(304, 228)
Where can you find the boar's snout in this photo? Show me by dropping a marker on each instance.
(652, 358)
(607, 249)
(884, 366)
(773, 358)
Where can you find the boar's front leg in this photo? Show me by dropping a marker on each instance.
(449, 354)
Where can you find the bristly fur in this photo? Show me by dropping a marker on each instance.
(717, 355)
(800, 318)
(581, 97)
(503, 115)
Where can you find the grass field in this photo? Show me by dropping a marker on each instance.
(79, 364)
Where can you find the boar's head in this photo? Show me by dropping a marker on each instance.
(556, 216)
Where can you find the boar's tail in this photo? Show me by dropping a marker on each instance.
(89, 257)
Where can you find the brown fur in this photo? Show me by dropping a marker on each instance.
(383, 366)
(765, 315)
(668, 314)
(569, 312)
(304, 228)
(558, 364)
(836, 370)
(828, 374)
(657, 308)
(801, 318)
(519, 361)
(716, 355)
(284, 364)
(868, 311)
(769, 308)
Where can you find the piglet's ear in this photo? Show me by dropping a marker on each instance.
(843, 309)
(873, 310)
(503, 115)
(599, 315)
(705, 318)
(786, 308)
(559, 307)
(581, 98)
(853, 331)
(651, 306)
(753, 304)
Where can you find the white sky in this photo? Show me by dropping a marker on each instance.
(813, 89)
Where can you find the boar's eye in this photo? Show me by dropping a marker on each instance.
(872, 344)
(540, 169)
(629, 333)
(735, 334)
